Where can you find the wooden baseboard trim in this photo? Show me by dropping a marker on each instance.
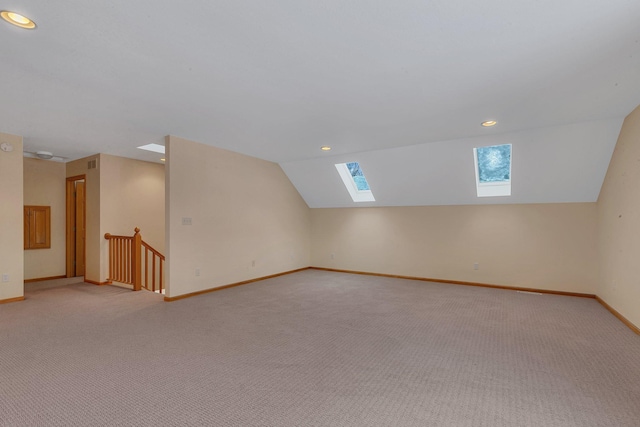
(93, 282)
(623, 319)
(245, 282)
(8, 300)
(459, 282)
(42, 279)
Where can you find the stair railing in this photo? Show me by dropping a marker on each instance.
(126, 262)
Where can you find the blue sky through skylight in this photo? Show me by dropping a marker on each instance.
(358, 176)
(355, 182)
(494, 163)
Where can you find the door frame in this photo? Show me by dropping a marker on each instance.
(71, 223)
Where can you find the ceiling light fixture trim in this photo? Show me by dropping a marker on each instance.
(18, 20)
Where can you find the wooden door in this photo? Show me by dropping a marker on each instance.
(80, 227)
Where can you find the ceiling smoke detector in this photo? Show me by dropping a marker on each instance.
(44, 155)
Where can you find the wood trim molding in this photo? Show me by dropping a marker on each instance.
(623, 319)
(459, 282)
(41, 279)
(93, 282)
(219, 288)
(70, 222)
(7, 301)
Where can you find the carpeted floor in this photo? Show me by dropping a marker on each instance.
(316, 348)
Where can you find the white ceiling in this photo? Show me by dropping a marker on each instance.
(383, 82)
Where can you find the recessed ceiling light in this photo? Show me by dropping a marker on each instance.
(17, 20)
(489, 123)
(325, 148)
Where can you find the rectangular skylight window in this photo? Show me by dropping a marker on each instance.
(355, 181)
(493, 170)
(156, 148)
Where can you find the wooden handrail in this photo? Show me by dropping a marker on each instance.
(126, 263)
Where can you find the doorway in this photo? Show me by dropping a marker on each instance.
(76, 225)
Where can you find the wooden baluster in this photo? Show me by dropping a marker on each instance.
(119, 259)
(136, 260)
(111, 260)
(161, 268)
(146, 268)
(123, 259)
(153, 270)
(126, 260)
(129, 261)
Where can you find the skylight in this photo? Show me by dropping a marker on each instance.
(493, 170)
(156, 148)
(355, 181)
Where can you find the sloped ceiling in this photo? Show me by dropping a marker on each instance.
(552, 165)
(392, 84)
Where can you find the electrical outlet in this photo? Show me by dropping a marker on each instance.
(197, 272)
(5, 277)
(253, 263)
(333, 256)
(476, 266)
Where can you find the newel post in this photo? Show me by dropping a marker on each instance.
(108, 237)
(136, 261)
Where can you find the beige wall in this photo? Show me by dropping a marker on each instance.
(248, 220)
(11, 215)
(544, 246)
(132, 195)
(44, 185)
(93, 237)
(619, 224)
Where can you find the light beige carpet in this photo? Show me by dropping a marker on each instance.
(316, 348)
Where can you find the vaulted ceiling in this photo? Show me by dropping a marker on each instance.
(401, 87)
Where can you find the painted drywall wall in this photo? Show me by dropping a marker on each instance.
(92, 225)
(132, 195)
(44, 185)
(247, 219)
(11, 223)
(619, 224)
(544, 246)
